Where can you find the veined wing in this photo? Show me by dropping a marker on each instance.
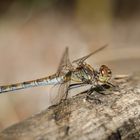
(81, 60)
(58, 92)
(63, 108)
(64, 67)
(65, 63)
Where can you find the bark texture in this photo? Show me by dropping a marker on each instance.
(115, 117)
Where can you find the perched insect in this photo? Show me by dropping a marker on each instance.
(78, 72)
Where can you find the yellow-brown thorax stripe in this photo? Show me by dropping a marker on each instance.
(82, 73)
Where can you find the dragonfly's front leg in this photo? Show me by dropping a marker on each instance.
(93, 92)
(113, 87)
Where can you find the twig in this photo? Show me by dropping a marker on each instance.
(116, 117)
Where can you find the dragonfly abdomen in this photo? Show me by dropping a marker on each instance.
(12, 87)
(50, 80)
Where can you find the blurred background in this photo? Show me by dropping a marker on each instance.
(34, 34)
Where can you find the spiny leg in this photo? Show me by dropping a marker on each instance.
(114, 87)
(89, 92)
(100, 89)
(93, 93)
(72, 86)
(107, 88)
(92, 97)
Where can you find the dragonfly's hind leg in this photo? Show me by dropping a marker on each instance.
(73, 86)
(92, 96)
(102, 89)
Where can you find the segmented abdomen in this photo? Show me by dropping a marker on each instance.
(50, 80)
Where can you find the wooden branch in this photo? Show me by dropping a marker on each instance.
(115, 117)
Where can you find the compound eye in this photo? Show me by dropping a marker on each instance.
(102, 72)
(109, 72)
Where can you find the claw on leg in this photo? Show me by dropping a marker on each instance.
(99, 89)
(114, 87)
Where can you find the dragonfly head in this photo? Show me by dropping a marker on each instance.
(104, 74)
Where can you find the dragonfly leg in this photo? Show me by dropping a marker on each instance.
(72, 86)
(104, 89)
(114, 87)
(97, 89)
(93, 93)
(90, 97)
(93, 97)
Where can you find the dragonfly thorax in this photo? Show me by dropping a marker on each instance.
(83, 73)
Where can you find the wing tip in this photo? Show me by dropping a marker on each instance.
(101, 48)
(106, 45)
(67, 48)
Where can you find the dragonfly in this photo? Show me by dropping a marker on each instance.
(69, 75)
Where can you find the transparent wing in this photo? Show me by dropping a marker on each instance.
(63, 110)
(65, 63)
(64, 67)
(58, 92)
(81, 60)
